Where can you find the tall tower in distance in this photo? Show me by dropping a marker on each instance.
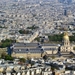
(65, 12)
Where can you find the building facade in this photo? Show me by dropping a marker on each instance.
(66, 46)
(37, 50)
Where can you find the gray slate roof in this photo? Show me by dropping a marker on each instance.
(26, 44)
(49, 49)
(37, 50)
(49, 44)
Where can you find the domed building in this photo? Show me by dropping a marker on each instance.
(66, 37)
(37, 50)
(66, 47)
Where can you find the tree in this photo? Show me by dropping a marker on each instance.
(59, 37)
(22, 60)
(53, 69)
(6, 43)
(33, 27)
(8, 57)
(24, 32)
(71, 56)
(45, 57)
(55, 37)
(38, 39)
(53, 57)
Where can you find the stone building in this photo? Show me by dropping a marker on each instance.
(32, 50)
(37, 50)
(66, 48)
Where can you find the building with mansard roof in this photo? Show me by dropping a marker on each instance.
(37, 50)
(32, 50)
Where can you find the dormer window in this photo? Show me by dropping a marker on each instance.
(27, 50)
(25, 43)
(39, 46)
(19, 49)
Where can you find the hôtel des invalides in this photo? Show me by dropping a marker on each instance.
(38, 50)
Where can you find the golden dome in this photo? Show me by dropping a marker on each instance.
(66, 37)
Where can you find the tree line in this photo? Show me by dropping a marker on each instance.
(59, 37)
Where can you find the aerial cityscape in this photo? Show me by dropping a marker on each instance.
(37, 37)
